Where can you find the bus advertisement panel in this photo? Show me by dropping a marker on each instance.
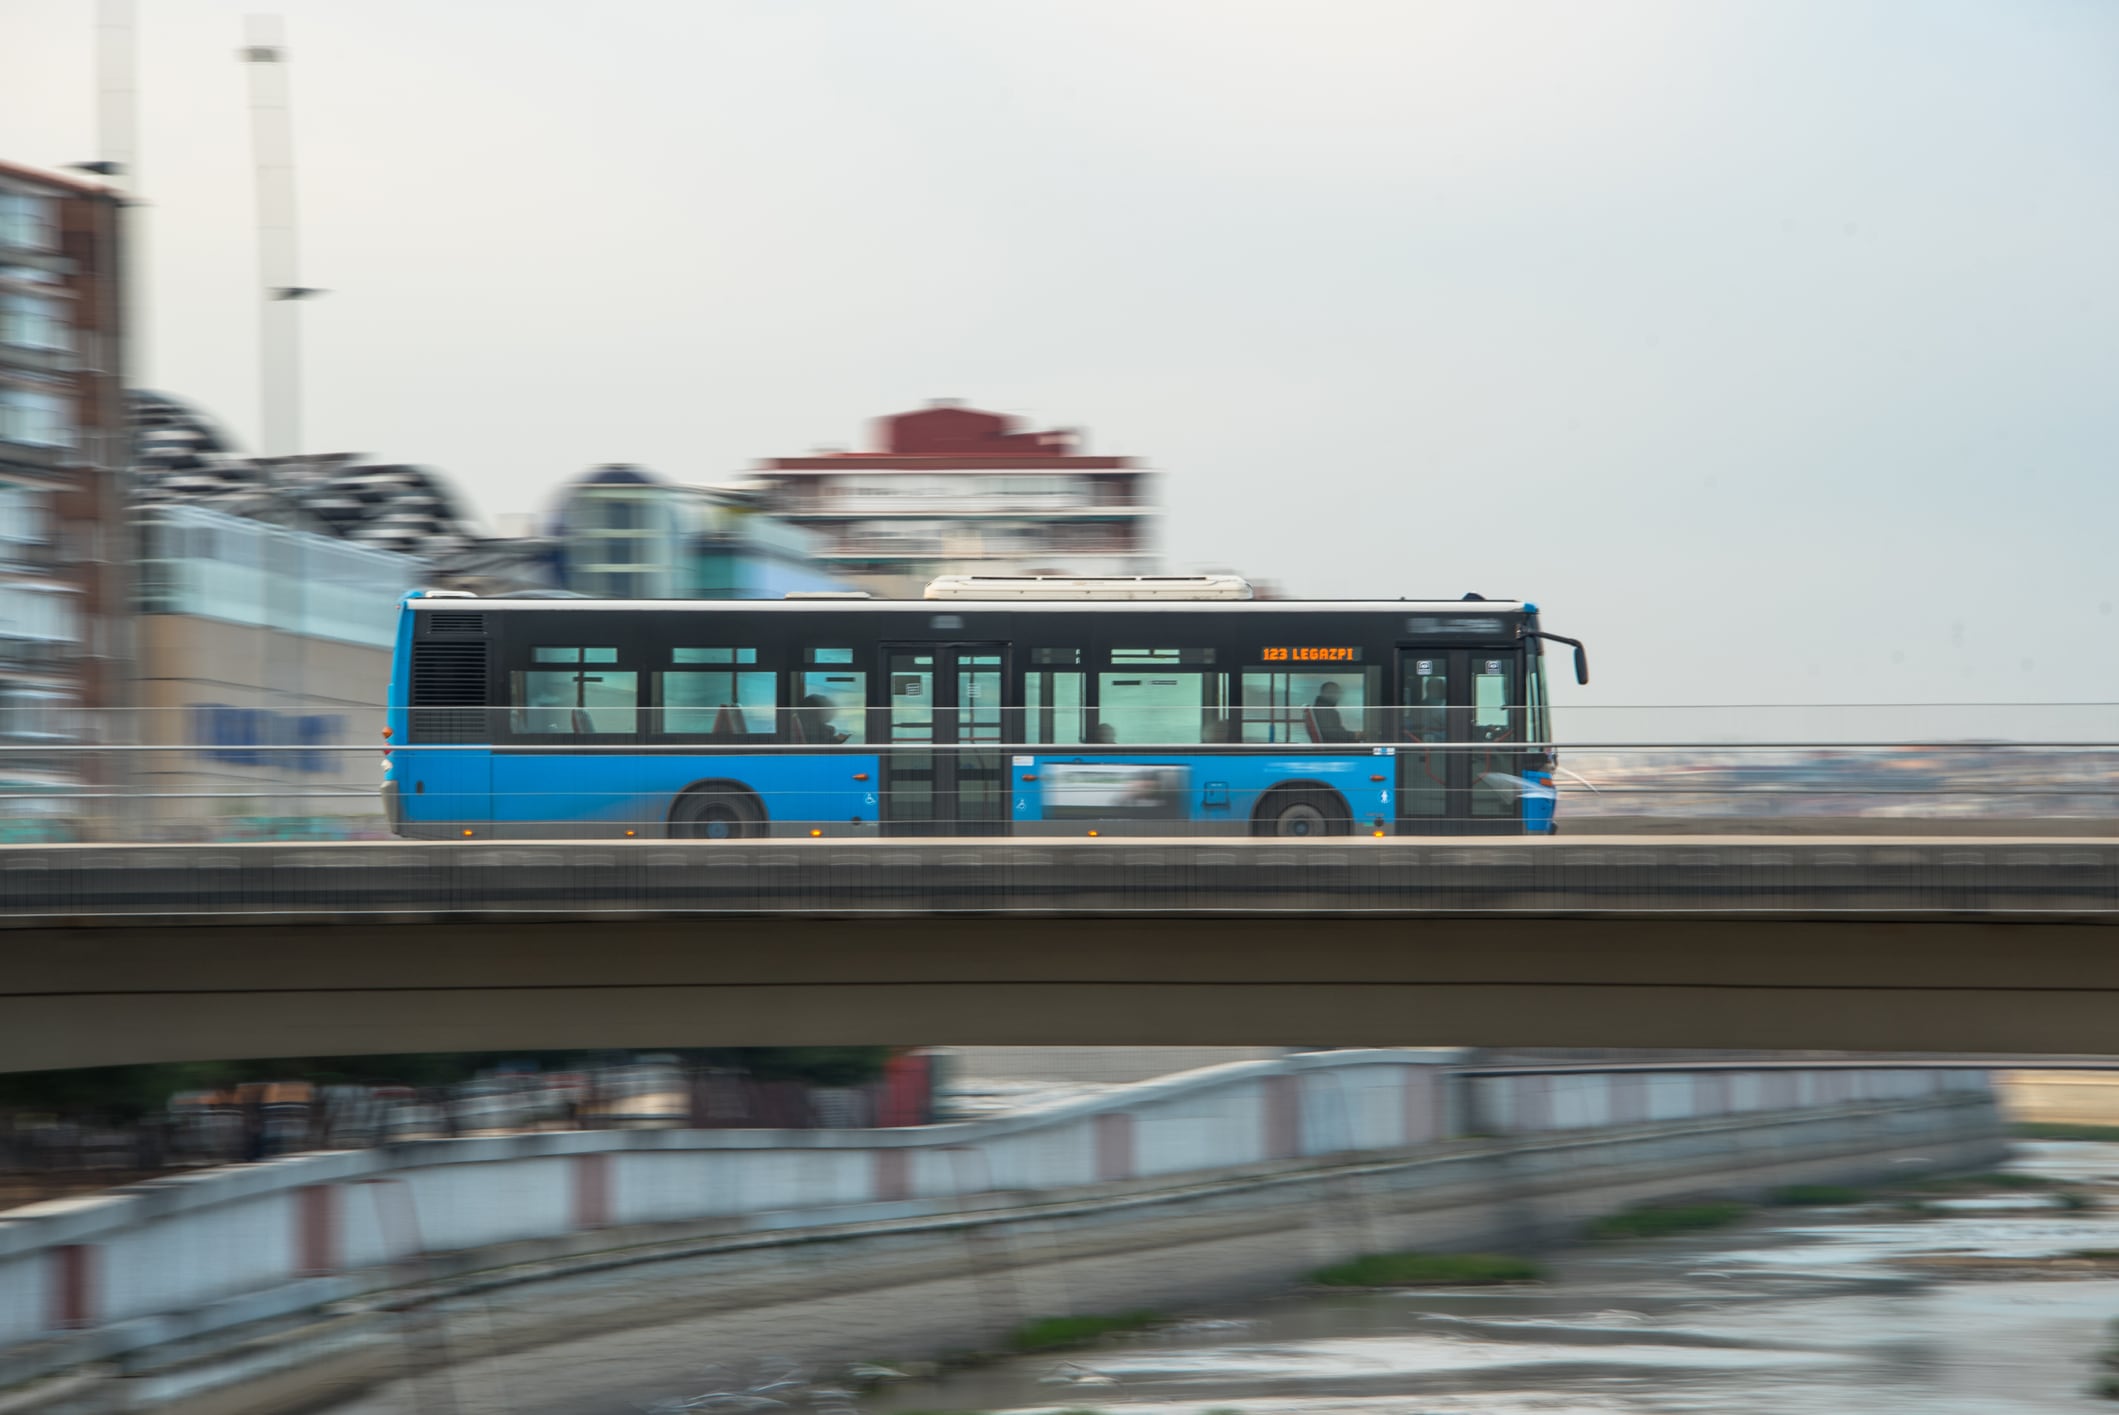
(1114, 791)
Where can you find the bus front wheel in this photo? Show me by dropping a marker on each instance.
(716, 815)
(1302, 813)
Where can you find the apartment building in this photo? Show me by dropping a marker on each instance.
(948, 489)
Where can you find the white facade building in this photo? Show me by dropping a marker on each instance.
(952, 490)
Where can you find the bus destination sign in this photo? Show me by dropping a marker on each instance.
(1481, 625)
(1312, 653)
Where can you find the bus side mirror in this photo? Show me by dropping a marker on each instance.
(1581, 654)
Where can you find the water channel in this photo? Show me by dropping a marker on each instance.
(1977, 1302)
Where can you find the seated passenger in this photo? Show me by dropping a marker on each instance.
(1104, 733)
(813, 719)
(1324, 712)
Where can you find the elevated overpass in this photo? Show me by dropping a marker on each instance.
(126, 954)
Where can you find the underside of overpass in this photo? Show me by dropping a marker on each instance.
(126, 992)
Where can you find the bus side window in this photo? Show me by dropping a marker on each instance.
(829, 702)
(1540, 725)
(1160, 697)
(1313, 707)
(1054, 698)
(573, 692)
(724, 701)
(830, 708)
(1493, 698)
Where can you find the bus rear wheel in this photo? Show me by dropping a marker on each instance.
(715, 815)
(1301, 814)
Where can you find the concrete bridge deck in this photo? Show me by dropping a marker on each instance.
(174, 953)
(1710, 875)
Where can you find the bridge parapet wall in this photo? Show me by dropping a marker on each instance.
(1532, 1102)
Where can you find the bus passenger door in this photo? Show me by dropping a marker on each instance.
(1430, 777)
(1460, 758)
(944, 770)
(1493, 725)
(981, 767)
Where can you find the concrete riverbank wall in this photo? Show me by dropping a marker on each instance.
(561, 1272)
(2060, 1097)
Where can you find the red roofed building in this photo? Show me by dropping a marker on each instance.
(952, 490)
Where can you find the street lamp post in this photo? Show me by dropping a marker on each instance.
(279, 288)
(279, 342)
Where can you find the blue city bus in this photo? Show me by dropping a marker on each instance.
(994, 706)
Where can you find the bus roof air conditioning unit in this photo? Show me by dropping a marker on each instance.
(1006, 587)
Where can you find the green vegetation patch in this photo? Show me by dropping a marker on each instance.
(1664, 1220)
(1052, 1333)
(1998, 1179)
(1819, 1195)
(2107, 1382)
(2055, 1130)
(1428, 1270)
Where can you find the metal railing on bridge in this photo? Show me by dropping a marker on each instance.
(215, 774)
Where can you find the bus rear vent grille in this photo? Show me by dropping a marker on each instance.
(448, 692)
(438, 623)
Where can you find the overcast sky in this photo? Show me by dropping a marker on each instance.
(1773, 348)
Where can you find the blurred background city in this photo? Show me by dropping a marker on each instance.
(198, 207)
(1771, 346)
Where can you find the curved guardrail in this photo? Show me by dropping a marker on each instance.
(177, 1258)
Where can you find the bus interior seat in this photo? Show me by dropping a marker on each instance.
(794, 725)
(584, 725)
(1309, 725)
(728, 722)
